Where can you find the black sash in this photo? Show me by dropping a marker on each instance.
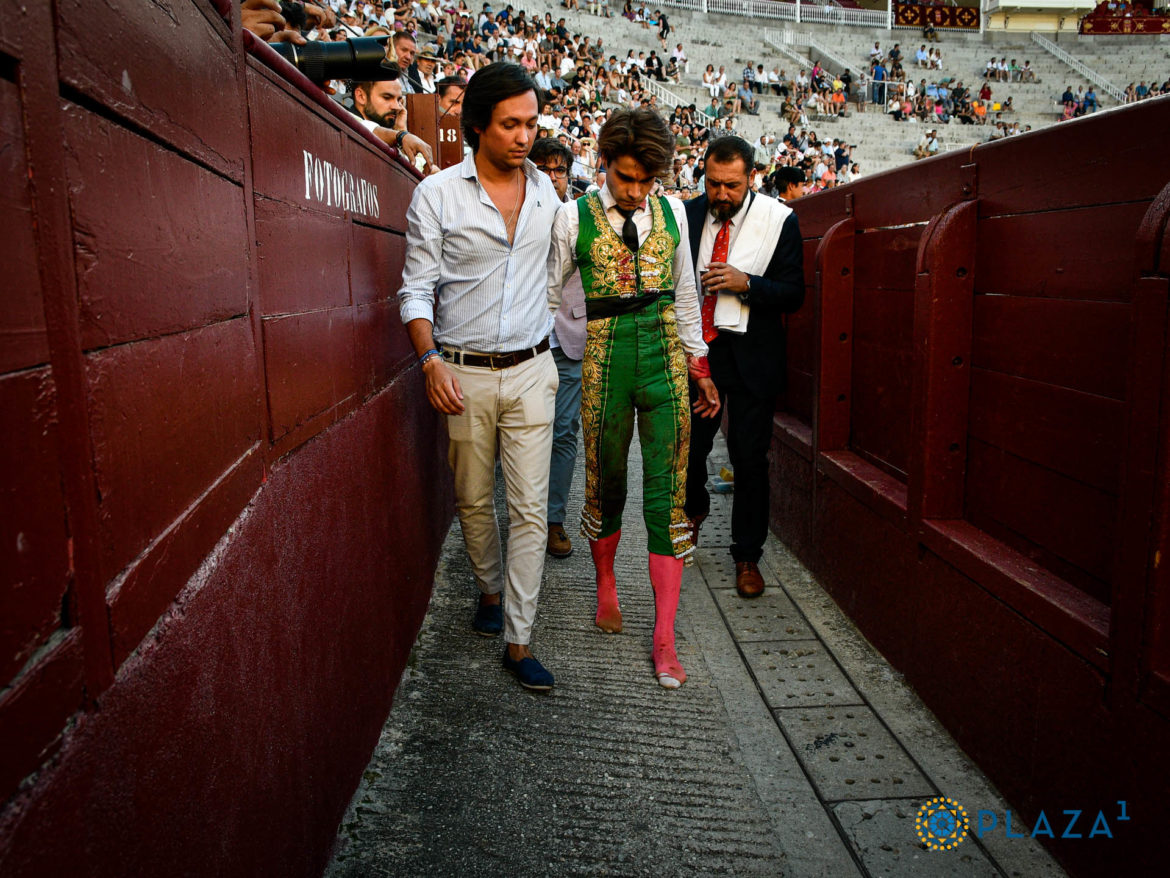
(612, 306)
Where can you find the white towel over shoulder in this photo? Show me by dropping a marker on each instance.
(752, 251)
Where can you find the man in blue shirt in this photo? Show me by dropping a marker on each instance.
(879, 83)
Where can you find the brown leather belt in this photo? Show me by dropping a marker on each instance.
(495, 361)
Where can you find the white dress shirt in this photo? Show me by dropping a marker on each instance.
(479, 292)
(711, 228)
(562, 262)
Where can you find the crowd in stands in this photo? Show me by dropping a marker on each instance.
(442, 43)
(1141, 91)
(439, 45)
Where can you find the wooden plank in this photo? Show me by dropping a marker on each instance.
(23, 342)
(288, 285)
(310, 366)
(450, 140)
(149, 586)
(179, 82)
(1088, 253)
(1074, 164)
(872, 486)
(34, 548)
(883, 362)
(834, 273)
(885, 258)
(53, 231)
(1067, 613)
(170, 416)
(1074, 433)
(1134, 534)
(1079, 345)
(880, 409)
(1152, 252)
(895, 197)
(422, 119)
(818, 213)
(376, 261)
(145, 266)
(34, 713)
(884, 318)
(942, 364)
(1063, 525)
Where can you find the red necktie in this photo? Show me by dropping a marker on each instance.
(718, 254)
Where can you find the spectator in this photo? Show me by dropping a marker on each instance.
(927, 146)
(922, 56)
(450, 90)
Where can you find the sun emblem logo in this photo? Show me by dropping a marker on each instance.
(941, 824)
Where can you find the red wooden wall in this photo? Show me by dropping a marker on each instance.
(972, 453)
(213, 450)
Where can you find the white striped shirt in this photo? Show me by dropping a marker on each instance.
(480, 293)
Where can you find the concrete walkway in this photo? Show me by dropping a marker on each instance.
(793, 748)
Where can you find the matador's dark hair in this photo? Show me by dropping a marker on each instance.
(640, 133)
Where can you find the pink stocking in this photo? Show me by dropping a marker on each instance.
(666, 578)
(609, 614)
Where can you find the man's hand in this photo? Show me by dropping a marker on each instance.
(262, 17)
(411, 146)
(443, 390)
(723, 278)
(707, 405)
(322, 17)
(288, 36)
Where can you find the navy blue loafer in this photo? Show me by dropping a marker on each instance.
(529, 672)
(489, 619)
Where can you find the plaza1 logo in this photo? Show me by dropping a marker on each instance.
(942, 824)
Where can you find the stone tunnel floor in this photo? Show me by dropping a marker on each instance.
(793, 749)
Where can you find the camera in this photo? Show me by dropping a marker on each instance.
(362, 59)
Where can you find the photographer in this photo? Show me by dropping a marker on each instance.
(381, 109)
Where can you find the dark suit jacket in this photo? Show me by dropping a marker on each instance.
(759, 354)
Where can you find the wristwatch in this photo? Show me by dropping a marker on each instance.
(743, 296)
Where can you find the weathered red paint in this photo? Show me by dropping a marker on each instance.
(203, 614)
(34, 548)
(1022, 587)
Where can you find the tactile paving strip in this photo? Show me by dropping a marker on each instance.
(771, 616)
(850, 755)
(798, 673)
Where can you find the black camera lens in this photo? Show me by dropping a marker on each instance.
(362, 59)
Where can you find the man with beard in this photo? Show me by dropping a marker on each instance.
(380, 106)
(749, 258)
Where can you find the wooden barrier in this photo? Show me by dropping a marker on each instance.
(222, 485)
(972, 453)
(440, 130)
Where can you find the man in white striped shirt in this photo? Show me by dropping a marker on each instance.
(474, 285)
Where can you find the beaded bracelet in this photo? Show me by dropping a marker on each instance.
(427, 355)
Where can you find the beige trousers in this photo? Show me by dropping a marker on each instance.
(509, 411)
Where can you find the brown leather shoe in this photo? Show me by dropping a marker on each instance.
(559, 545)
(748, 581)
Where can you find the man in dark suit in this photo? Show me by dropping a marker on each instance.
(749, 256)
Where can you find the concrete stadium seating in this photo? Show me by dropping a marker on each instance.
(882, 143)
